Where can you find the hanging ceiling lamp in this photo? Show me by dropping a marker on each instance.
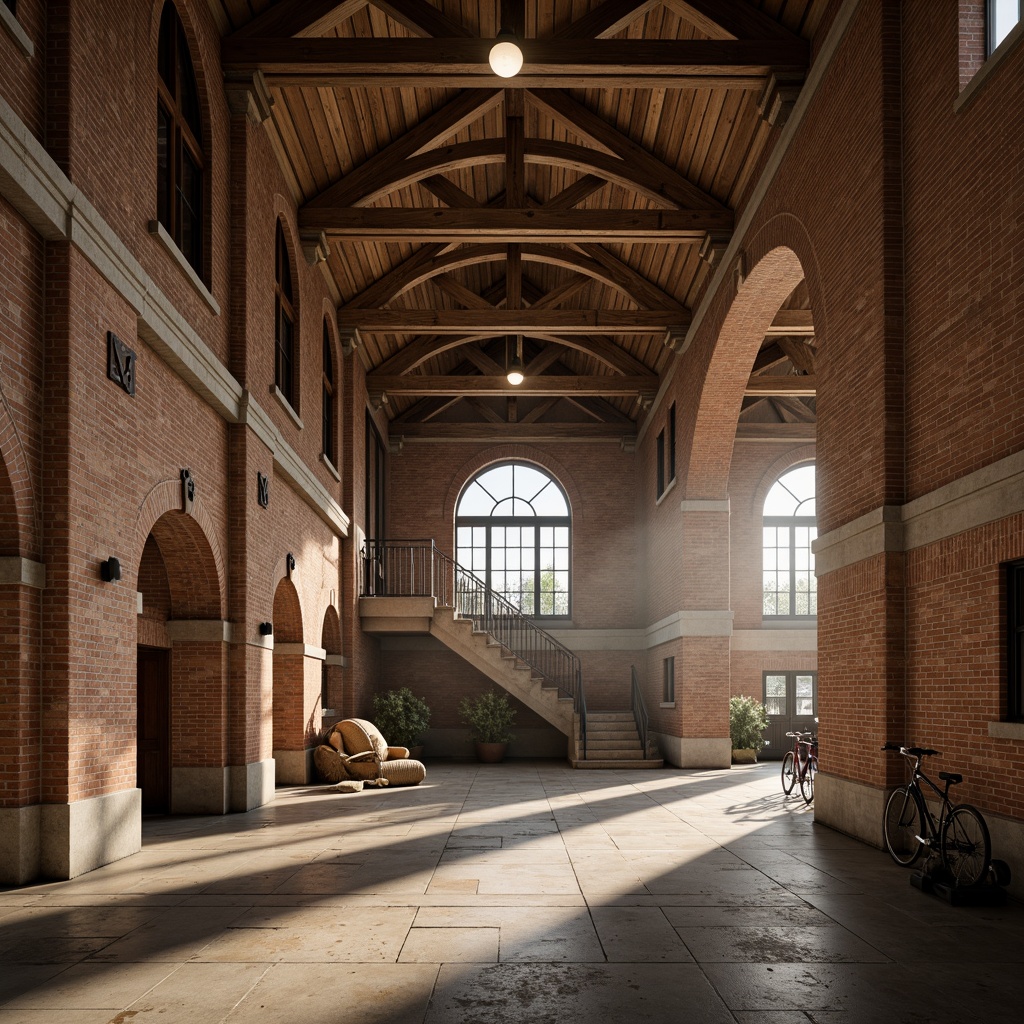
(506, 58)
(515, 374)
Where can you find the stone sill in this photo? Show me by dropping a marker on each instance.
(159, 232)
(665, 493)
(286, 405)
(16, 32)
(1006, 730)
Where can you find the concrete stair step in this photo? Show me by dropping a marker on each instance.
(607, 763)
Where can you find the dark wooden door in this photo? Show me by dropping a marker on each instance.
(792, 702)
(154, 733)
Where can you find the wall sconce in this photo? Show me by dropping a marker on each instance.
(266, 629)
(110, 570)
(289, 562)
(506, 57)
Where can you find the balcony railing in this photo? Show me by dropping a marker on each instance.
(416, 568)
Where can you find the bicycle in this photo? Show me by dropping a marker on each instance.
(960, 834)
(801, 765)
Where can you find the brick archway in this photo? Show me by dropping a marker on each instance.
(296, 688)
(706, 449)
(17, 506)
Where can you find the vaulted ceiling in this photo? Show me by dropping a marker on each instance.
(572, 213)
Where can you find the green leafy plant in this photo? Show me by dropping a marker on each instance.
(490, 717)
(401, 716)
(748, 719)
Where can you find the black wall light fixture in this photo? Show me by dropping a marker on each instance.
(289, 562)
(110, 570)
(266, 629)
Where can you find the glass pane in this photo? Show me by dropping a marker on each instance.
(479, 536)
(528, 481)
(505, 507)
(497, 481)
(550, 502)
(547, 535)
(512, 558)
(498, 558)
(1004, 14)
(562, 536)
(475, 501)
(498, 536)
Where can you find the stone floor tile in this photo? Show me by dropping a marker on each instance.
(451, 945)
(338, 993)
(195, 993)
(88, 986)
(46, 1016)
(769, 945)
(575, 994)
(638, 935)
(173, 937)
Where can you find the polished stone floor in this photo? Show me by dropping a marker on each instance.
(521, 892)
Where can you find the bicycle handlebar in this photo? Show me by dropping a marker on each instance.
(912, 751)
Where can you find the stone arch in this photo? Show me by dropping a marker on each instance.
(294, 695)
(332, 695)
(287, 614)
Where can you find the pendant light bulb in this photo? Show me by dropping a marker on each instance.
(505, 58)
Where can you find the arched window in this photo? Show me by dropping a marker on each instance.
(790, 527)
(284, 332)
(328, 417)
(513, 529)
(179, 142)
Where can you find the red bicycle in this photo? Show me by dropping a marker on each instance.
(801, 764)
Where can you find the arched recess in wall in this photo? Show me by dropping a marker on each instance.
(10, 533)
(16, 501)
(289, 714)
(181, 665)
(332, 697)
(706, 449)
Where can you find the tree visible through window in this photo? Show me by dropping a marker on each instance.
(789, 529)
(513, 530)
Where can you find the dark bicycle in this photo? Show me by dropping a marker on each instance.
(959, 835)
(801, 764)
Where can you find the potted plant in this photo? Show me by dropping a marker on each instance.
(490, 718)
(402, 718)
(748, 719)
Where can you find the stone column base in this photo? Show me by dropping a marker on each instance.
(250, 785)
(20, 829)
(294, 767)
(199, 790)
(691, 752)
(86, 834)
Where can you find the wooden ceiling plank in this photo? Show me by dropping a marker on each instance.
(607, 20)
(514, 277)
(580, 119)
(482, 361)
(483, 385)
(763, 385)
(795, 411)
(644, 292)
(540, 410)
(581, 404)
(544, 360)
(373, 224)
(787, 432)
(443, 123)
(729, 19)
(300, 18)
(425, 410)
(422, 19)
(564, 292)
(507, 321)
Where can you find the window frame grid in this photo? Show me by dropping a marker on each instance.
(792, 523)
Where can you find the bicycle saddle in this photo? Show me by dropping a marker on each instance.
(951, 777)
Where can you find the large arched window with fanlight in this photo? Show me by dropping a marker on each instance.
(790, 528)
(513, 529)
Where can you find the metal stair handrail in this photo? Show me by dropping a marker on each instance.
(639, 709)
(417, 568)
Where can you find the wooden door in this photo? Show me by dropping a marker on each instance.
(792, 702)
(153, 764)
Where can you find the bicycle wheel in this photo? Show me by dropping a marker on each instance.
(902, 824)
(788, 775)
(807, 779)
(965, 846)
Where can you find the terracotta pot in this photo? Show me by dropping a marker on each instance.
(490, 753)
(744, 755)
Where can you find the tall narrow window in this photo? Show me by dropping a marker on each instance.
(668, 687)
(1001, 17)
(327, 415)
(284, 361)
(1015, 641)
(375, 494)
(660, 456)
(671, 474)
(790, 528)
(513, 530)
(179, 142)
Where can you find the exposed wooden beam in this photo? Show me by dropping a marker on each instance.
(550, 63)
(460, 293)
(644, 292)
(540, 410)
(299, 18)
(465, 108)
(519, 432)
(791, 321)
(448, 192)
(792, 410)
(762, 386)
(485, 412)
(550, 226)
(416, 384)
(580, 119)
(421, 19)
(607, 20)
(508, 321)
(799, 353)
(729, 19)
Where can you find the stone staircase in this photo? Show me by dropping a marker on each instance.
(613, 742)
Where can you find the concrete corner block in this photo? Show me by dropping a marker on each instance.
(251, 785)
(86, 834)
(20, 829)
(692, 752)
(199, 790)
(294, 767)
(852, 808)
